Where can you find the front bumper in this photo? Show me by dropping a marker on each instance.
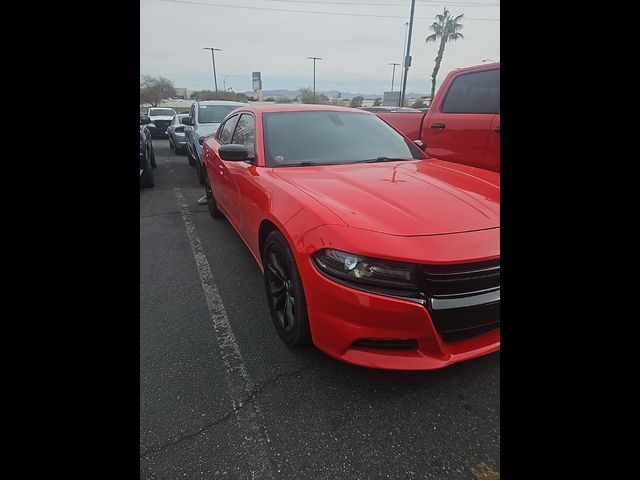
(158, 132)
(340, 316)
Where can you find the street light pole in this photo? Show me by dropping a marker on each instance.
(393, 75)
(404, 51)
(213, 60)
(407, 59)
(314, 76)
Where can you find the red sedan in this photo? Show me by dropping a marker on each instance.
(376, 253)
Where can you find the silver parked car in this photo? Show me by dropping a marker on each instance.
(175, 131)
(204, 119)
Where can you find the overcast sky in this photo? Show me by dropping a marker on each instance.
(355, 49)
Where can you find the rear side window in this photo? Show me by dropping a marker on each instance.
(474, 93)
(245, 133)
(227, 130)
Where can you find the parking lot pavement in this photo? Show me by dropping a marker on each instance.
(222, 396)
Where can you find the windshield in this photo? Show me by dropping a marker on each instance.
(329, 137)
(162, 111)
(214, 113)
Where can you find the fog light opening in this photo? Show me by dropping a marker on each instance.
(386, 343)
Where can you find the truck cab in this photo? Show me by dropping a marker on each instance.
(462, 124)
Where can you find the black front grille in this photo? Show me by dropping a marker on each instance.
(460, 279)
(458, 335)
(162, 124)
(458, 286)
(459, 323)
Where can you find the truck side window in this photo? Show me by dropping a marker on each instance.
(474, 93)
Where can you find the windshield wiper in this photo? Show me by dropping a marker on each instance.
(300, 164)
(382, 158)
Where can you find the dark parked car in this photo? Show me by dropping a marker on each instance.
(147, 157)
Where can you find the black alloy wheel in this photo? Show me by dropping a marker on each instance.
(285, 293)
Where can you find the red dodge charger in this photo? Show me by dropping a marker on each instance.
(378, 254)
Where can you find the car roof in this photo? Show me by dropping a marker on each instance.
(288, 107)
(220, 102)
(482, 66)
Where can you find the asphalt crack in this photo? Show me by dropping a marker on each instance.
(247, 401)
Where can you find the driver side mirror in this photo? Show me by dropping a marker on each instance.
(187, 121)
(145, 120)
(234, 152)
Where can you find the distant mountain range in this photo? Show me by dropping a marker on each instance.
(328, 93)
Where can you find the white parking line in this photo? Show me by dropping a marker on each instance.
(237, 378)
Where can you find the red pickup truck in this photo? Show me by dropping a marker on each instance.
(462, 124)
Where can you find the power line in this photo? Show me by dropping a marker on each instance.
(188, 2)
(440, 4)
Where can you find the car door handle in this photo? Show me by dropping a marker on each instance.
(438, 125)
(497, 129)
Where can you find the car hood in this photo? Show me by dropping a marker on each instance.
(205, 129)
(409, 198)
(160, 117)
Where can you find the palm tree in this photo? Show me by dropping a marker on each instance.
(445, 29)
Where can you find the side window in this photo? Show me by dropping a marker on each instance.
(226, 130)
(474, 93)
(245, 133)
(192, 113)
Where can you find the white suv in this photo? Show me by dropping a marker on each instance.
(204, 119)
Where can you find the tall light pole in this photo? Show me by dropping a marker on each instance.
(393, 75)
(213, 59)
(404, 51)
(314, 75)
(407, 59)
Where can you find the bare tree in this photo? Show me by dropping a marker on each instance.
(155, 89)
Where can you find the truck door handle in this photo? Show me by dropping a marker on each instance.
(438, 125)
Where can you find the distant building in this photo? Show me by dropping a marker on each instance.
(182, 93)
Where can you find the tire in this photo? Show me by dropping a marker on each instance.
(212, 206)
(285, 294)
(153, 159)
(170, 143)
(191, 160)
(146, 179)
(201, 174)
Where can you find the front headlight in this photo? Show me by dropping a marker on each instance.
(365, 271)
